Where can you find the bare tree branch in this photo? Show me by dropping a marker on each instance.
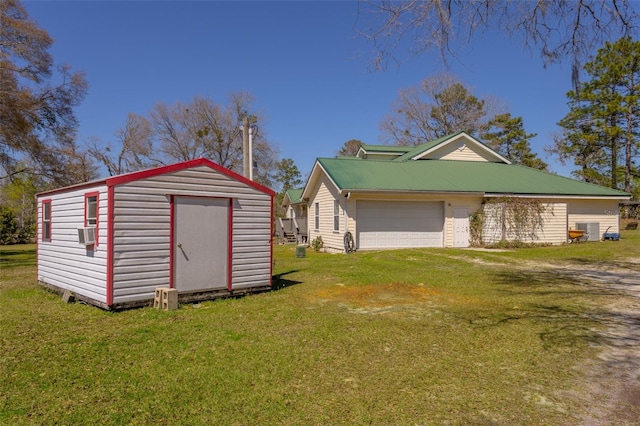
(559, 29)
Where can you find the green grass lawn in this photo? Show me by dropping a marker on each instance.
(403, 337)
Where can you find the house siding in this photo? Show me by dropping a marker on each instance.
(142, 224)
(333, 241)
(63, 262)
(324, 196)
(399, 224)
(555, 224)
(554, 229)
(558, 216)
(399, 197)
(459, 172)
(472, 204)
(467, 152)
(603, 212)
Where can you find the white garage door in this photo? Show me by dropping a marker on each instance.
(399, 224)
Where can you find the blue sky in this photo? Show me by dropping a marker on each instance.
(301, 60)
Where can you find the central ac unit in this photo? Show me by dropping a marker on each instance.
(87, 236)
(591, 231)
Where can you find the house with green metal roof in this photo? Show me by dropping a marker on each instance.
(293, 196)
(424, 196)
(293, 227)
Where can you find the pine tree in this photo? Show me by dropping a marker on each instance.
(507, 136)
(350, 148)
(287, 175)
(601, 131)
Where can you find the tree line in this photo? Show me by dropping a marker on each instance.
(39, 149)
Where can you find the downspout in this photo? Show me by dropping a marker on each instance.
(346, 212)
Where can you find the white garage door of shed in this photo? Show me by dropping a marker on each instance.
(201, 238)
(399, 224)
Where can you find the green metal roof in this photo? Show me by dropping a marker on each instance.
(386, 148)
(352, 174)
(295, 195)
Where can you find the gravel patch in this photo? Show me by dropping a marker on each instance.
(612, 382)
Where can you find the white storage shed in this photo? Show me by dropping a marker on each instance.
(193, 226)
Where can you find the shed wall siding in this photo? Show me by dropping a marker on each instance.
(63, 262)
(142, 230)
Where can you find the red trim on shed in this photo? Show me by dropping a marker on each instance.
(129, 177)
(172, 241)
(230, 247)
(271, 246)
(110, 238)
(79, 186)
(144, 174)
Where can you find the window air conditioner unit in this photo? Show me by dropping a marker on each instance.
(87, 236)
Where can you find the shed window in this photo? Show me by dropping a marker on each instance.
(46, 220)
(336, 215)
(317, 216)
(91, 211)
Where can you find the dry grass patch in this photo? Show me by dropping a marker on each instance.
(372, 297)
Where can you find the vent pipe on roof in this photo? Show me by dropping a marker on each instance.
(246, 164)
(248, 132)
(251, 165)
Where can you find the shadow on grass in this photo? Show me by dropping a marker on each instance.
(548, 282)
(279, 282)
(618, 264)
(558, 327)
(596, 320)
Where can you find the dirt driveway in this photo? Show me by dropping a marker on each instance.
(613, 380)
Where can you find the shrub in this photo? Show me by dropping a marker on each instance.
(476, 225)
(8, 226)
(317, 244)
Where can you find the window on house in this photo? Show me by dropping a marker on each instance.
(317, 215)
(336, 215)
(46, 220)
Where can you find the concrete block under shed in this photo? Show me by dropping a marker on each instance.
(170, 300)
(166, 299)
(68, 296)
